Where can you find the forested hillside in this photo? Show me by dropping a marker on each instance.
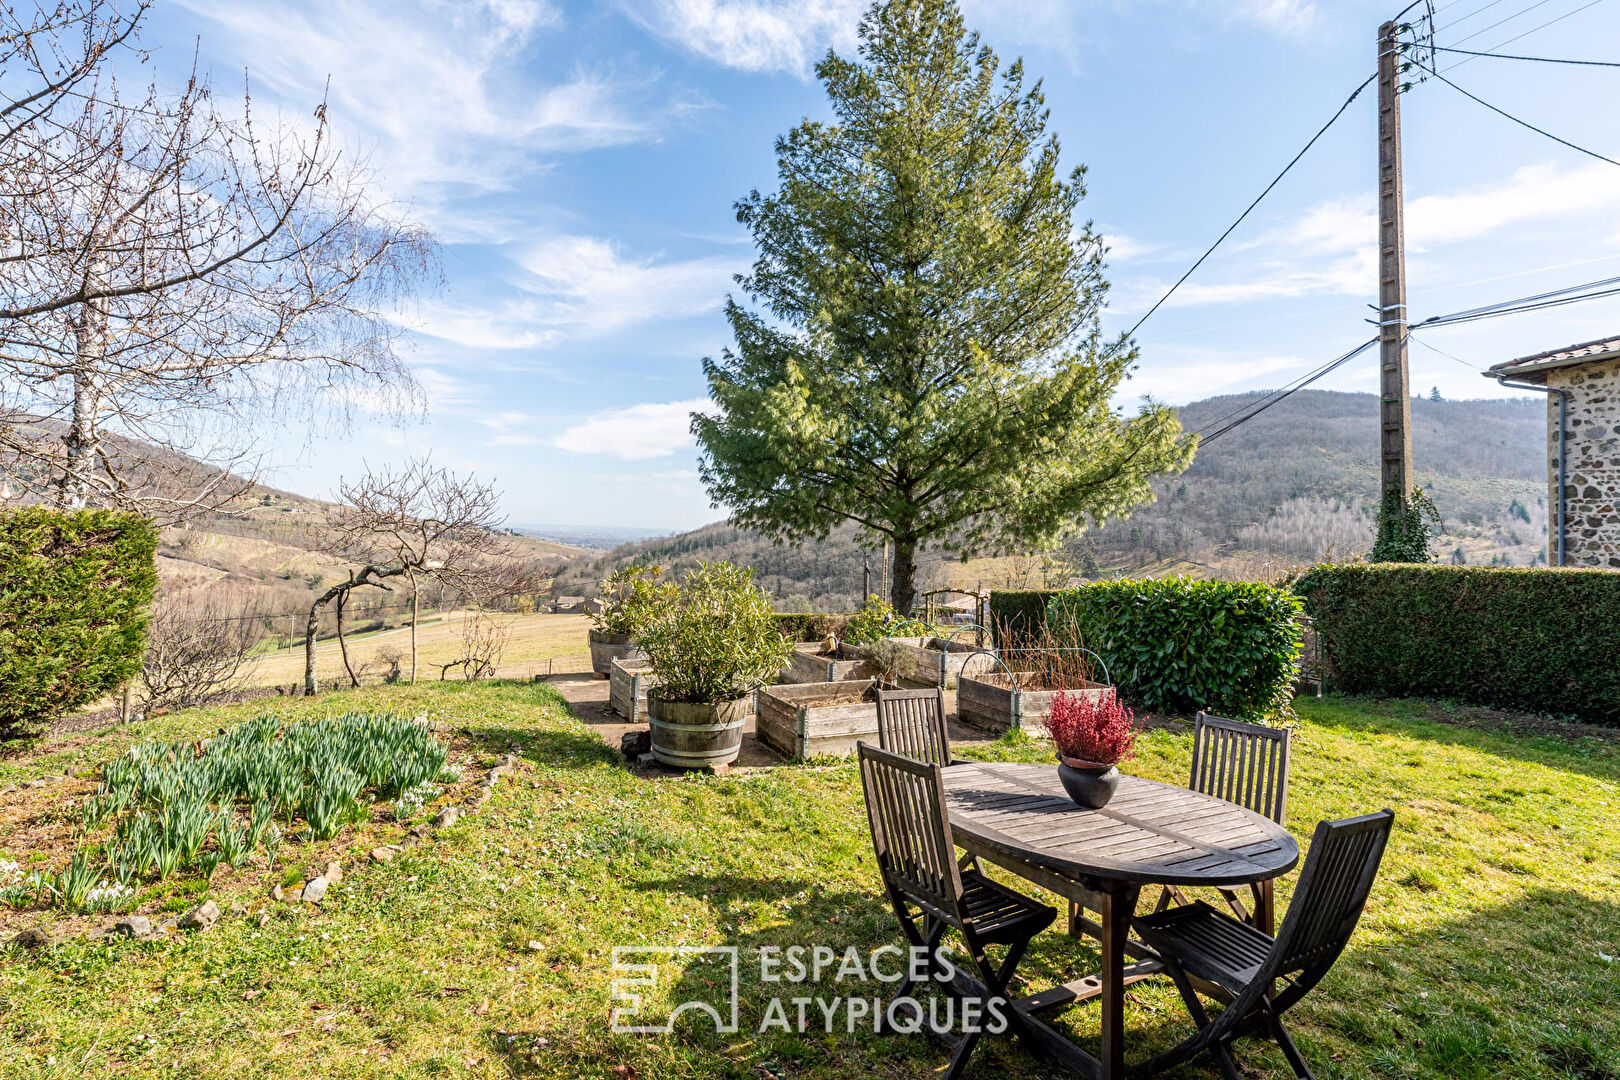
(1297, 483)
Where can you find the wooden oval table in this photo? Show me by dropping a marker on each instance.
(1019, 818)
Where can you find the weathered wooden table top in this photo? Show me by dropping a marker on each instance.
(1149, 833)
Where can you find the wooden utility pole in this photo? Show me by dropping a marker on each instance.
(1394, 384)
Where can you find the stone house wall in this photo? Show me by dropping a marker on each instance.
(1592, 488)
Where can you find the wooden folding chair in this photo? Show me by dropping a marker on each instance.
(1195, 941)
(930, 893)
(911, 723)
(1246, 764)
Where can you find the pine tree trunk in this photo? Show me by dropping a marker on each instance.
(903, 593)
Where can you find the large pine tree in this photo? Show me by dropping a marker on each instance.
(925, 355)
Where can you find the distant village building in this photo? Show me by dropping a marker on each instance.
(1582, 384)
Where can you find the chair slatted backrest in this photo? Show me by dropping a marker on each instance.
(1332, 892)
(912, 723)
(911, 835)
(1242, 763)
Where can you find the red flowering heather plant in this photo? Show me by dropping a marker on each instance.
(1092, 728)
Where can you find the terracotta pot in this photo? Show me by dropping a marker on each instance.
(1090, 784)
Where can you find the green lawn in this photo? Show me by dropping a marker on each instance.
(1482, 953)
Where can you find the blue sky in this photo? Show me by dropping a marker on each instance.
(580, 162)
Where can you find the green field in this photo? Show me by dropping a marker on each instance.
(1487, 950)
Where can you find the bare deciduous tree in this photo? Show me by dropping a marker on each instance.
(197, 649)
(483, 643)
(418, 522)
(175, 271)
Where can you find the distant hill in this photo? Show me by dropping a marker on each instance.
(1296, 484)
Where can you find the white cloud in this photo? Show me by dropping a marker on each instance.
(1287, 16)
(1181, 374)
(585, 284)
(634, 433)
(1331, 249)
(443, 90)
(753, 35)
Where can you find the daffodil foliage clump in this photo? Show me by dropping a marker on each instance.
(178, 806)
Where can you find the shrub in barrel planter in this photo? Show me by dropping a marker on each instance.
(710, 650)
(631, 598)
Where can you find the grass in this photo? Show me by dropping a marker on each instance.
(535, 639)
(486, 953)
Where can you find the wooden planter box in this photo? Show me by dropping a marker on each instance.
(821, 719)
(987, 700)
(692, 736)
(810, 664)
(606, 648)
(628, 682)
(920, 661)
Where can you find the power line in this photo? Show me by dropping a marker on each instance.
(1515, 119)
(1232, 227)
(1532, 30)
(1253, 409)
(1499, 22)
(1537, 59)
(1470, 15)
(1571, 294)
(1442, 352)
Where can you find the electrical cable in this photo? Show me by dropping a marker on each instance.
(1499, 22)
(1571, 294)
(1254, 409)
(1241, 217)
(1536, 59)
(1515, 119)
(1532, 30)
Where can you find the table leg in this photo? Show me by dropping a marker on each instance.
(1265, 911)
(1118, 908)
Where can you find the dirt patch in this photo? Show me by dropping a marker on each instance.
(1507, 722)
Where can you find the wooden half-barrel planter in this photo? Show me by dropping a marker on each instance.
(628, 682)
(811, 663)
(931, 661)
(988, 699)
(606, 648)
(820, 719)
(694, 735)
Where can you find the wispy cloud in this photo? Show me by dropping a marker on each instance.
(1331, 248)
(753, 35)
(635, 433)
(445, 94)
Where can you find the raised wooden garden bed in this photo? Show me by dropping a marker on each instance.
(920, 660)
(811, 663)
(988, 700)
(627, 688)
(821, 719)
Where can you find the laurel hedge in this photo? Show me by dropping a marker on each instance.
(1178, 645)
(1545, 640)
(75, 588)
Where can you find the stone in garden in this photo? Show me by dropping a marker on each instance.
(632, 744)
(382, 854)
(334, 873)
(33, 938)
(201, 917)
(276, 892)
(481, 797)
(133, 926)
(446, 817)
(421, 832)
(719, 768)
(314, 890)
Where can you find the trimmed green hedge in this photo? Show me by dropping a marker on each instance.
(1546, 640)
(810, 625)
(75, 587)
(1178, 645)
